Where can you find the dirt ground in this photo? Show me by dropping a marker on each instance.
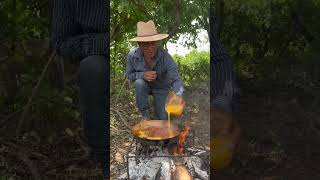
(198, 114)
(281, 140)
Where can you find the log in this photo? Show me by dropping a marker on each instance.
(201, 174)
(195, 164)
(182, 173)
(166, 170)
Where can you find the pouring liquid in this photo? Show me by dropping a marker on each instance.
(173, 110)
(169, 120)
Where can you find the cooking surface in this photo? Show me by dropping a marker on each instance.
(155, 130)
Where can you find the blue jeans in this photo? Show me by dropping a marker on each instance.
(94, 86)
(143, 90)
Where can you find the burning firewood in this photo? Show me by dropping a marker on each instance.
(166, 170)
(180, 149)
(195, 163)
(166, 162)
(182, 173)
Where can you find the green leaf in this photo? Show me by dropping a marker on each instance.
(68, 99)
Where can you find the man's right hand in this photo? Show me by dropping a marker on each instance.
(150, 75)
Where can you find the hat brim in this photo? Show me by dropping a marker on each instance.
(156, 37)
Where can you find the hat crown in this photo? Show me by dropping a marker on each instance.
(146, 29)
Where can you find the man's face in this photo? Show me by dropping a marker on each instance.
(149, 49)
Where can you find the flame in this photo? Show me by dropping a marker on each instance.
(179, 149)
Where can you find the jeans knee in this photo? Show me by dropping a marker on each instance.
(140, 84)
(92, 65)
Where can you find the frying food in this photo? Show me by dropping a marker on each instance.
(154, 131)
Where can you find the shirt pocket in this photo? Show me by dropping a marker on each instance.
(138, 65)
(161, 74)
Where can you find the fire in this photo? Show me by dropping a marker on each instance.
(179, 150)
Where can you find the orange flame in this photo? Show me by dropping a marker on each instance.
(179, 150)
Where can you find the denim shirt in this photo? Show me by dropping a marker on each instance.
(167, 70)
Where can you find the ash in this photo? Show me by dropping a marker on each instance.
(149, 168)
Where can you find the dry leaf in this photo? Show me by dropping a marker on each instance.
(69, 132)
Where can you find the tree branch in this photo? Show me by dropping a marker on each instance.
(141, 7)
(175, 27)
(34, 92)
(220, 12)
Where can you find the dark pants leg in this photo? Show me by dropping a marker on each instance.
(142, 93)
(94, 107)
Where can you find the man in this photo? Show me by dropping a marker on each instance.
(153, 71)
(224, 91)
(80, 31)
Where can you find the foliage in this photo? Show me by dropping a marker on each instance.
(193, 67)
(275, 39)
(23, 54)
(173, 17)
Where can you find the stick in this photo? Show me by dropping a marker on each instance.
(120, 130)
(125, 80)
(34, 91)
(65, 164)
(22, 156)
(121, 118)
(30, 164)
(17, 111)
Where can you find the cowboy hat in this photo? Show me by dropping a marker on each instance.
(146, 32)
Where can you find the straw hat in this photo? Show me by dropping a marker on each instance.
(146, 32)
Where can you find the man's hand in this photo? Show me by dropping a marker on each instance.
(176, 100)
(180, 100)
(150, 75)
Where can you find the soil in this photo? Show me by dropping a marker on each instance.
(280, 142)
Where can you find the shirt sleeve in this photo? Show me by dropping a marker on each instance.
(173, 75)
(67, 38)
(131, 73)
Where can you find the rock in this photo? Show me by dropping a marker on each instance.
(119, 157)
(121, 151)
(123, 176)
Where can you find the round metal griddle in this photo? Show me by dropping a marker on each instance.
(156, 132)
